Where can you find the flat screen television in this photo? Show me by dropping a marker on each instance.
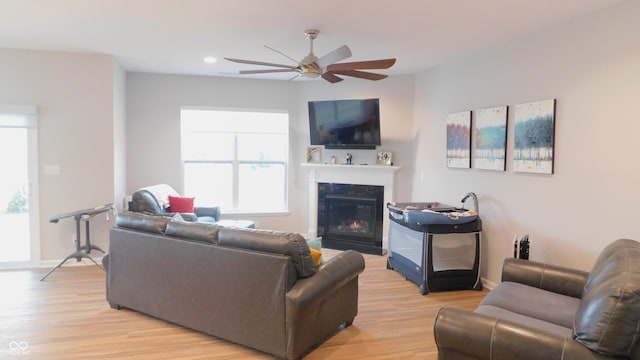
(345, 124)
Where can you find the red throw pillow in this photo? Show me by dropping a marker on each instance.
(181, 204)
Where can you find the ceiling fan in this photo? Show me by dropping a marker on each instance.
(326, 66)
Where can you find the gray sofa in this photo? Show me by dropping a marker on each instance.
(257, 288)
(549, 312)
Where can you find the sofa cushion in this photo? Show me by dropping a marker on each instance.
(275, 242)
(608, 318)
(142, 222)
(205, 232)
(317, 257)
(315, 243)
(181, 204)
(315, 246)
(505, 314)
(533, 302)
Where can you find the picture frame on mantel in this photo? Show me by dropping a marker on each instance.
(314, 154)
(384, 158)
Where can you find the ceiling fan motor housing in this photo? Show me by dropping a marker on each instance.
(308, 65)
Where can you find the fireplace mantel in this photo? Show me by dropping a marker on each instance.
(381, 175)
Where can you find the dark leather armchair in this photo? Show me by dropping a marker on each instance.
(542, 311)
(154, 200)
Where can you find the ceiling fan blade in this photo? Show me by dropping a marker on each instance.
(331, 77)
(339, 54)
(267, 71)
(361, 74)
(371, 64)
(281, 53)
(251, 62)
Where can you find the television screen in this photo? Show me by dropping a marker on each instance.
(345, 124)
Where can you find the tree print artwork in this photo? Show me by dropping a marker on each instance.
(534, 137)
(459, 140)
(491, 138)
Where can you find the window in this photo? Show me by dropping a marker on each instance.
(236, 159)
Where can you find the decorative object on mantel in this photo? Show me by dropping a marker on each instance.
(534, 137)
(491, 138)
(459, 140)
(314, 154)
(384, 158)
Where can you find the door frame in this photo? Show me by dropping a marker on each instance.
(28, 119)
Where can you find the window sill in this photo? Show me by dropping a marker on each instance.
(244, 214)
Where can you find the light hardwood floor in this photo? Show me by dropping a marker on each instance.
(67, 317)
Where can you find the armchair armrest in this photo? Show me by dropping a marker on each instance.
(212, 211)
(553, 278)
(333, 274)
(461, 334)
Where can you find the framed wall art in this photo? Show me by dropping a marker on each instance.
(534, 134)
(314, 154)
(491, 138)
(459, 140)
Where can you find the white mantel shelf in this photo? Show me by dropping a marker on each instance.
(380, 175)
(389, 168)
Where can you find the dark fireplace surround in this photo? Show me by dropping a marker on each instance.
(350, 217)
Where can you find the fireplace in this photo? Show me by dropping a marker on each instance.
(351, 216)
(379, 175)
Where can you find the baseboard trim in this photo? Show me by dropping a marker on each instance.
(71, 262)
(488, 284)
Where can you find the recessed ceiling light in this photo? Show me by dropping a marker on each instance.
(210, 60)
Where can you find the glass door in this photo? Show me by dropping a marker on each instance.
(19, 245)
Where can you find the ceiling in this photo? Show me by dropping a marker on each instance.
(173, 36)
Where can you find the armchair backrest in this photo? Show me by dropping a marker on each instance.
(608, 318)
(152, 199)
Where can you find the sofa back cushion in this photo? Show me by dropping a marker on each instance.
(270, 241)
(608, 317)
(199, 231)
(142, 222)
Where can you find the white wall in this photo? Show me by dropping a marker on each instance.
(153, 127)
(119, 135)
(74, 95)
(396, 114)
(153, 123)
(592, 68)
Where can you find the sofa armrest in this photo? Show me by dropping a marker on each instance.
(552, 278)
(333, 274)
(317, 305)
(461, 334)
(105, 262)
(212, 211)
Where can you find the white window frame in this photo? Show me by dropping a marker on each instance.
(27, 118)
(236, 163)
